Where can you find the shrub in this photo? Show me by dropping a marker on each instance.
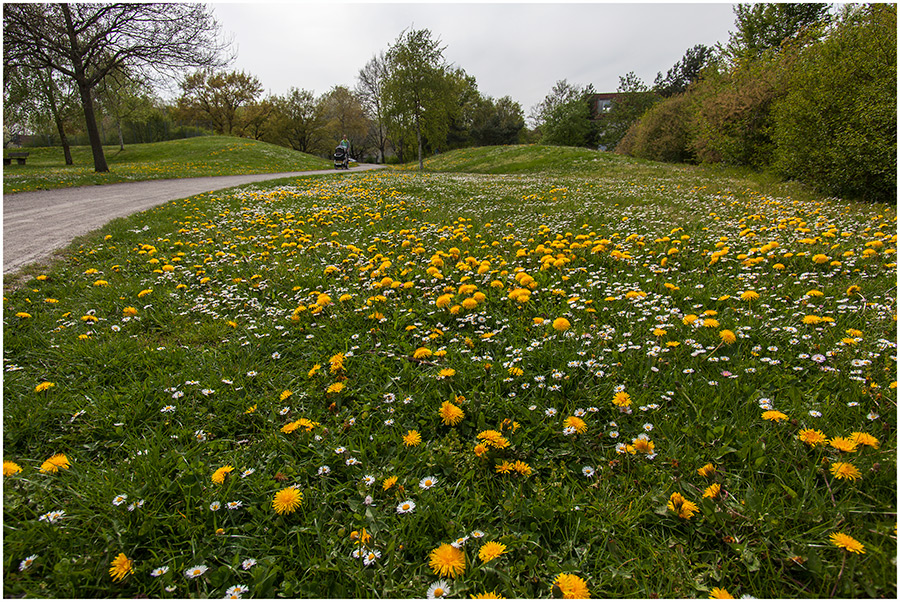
(663, 132)
(836, 129)
(733, 120)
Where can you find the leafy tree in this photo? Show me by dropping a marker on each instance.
(38, 100)
(571, 123)
(633, 98)
(216, 97)
(836, 127)
(370, 91)
(418, 92)
(344, 115)
(497, 122)
(684, 72)
(299, 120)
(255, 117)
(764, 26)
(561, 93)
(85, 42)
(123, 98)
(663, 133)
(462, 115)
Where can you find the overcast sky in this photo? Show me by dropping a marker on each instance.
(518, 49)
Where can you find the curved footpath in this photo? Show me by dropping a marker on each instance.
(35, 224)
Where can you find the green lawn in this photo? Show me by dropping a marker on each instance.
(45, 168)
(637, 381)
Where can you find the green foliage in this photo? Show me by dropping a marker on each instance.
(685, 72)
(733, 113)
(836, 128)
(633, 100)
(497, 122)
(764, 27)
(215, 97)
(570, 123)
(419, 96)
(663, 133)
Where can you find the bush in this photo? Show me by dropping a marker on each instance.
(663, 133)
(836, 129)
(733, 113)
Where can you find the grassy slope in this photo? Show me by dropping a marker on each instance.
(191, 157)
(573, 161)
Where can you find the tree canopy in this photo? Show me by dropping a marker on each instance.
(86, 42)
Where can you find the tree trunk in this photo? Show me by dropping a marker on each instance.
(54, 109)
(87, 102)
(121, 139)
(419, 140)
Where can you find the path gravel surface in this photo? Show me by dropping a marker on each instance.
(35, 224)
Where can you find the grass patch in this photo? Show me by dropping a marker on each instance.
(297, 333)
(45, 168)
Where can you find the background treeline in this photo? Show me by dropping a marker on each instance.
(805, 91)
(798, 91)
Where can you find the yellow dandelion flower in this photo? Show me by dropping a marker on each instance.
(812, 437)
(491, 550)
(129, 311)
(577, 423)
(421, 353)
(447, 561)
(811, 319)
(845, 470)
(285, 394)
(219, 475)
(412, 438)
(683, 508)
(522, 468)
(44, 386)
(710, 323)
(451, 415)
(622, 399)
(712, 491)
(561, 324)
(645, 446)
(515, 371)
(503, 468)
(864, 439)
(774, 416)
(481, 450)
(728, 337)
(842, 540)
(335, 388)
(494, 439)
(689, 319)
(749, 296)
(446, 372)
(10, 468)
(706, 471)
(287, 500)
(314, 369)
(492, 595)
(843, 444)
(719, 593)
(388, 483)
(54, 463)
(572, 587)
(121, 566)
(145, 292)
(443, 301)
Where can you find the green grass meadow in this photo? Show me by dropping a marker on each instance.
(45, 168)
(665, 381)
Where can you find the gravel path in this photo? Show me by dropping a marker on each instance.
(35, 224)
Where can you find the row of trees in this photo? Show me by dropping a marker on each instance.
(799, 90)
(91, 69)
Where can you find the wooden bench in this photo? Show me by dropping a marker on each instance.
(19, 157)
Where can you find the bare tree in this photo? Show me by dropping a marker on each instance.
(370, 90)
(85, 42)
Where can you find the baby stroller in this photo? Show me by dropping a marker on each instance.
(341, 158)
